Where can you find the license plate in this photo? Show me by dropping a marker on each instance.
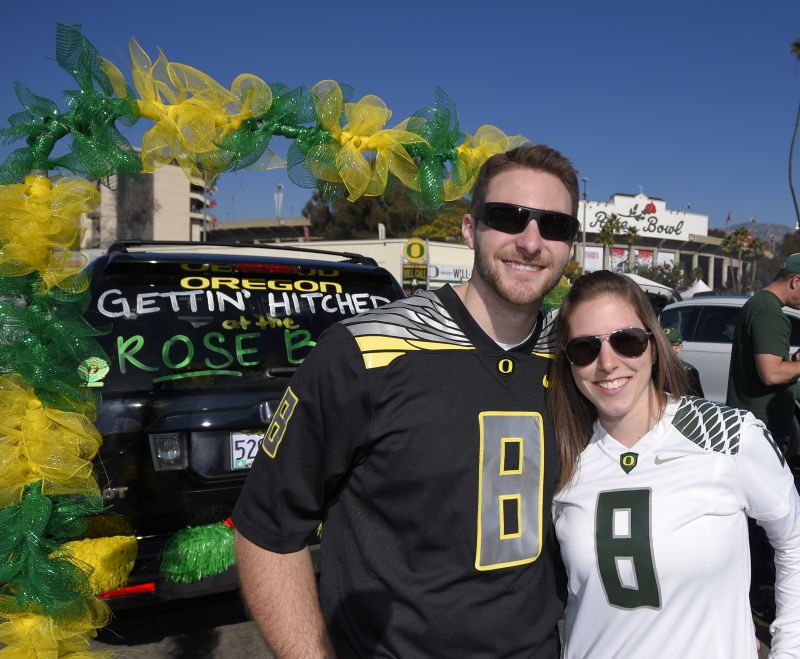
(244, 446)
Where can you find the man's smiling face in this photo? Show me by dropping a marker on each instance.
(520, 268)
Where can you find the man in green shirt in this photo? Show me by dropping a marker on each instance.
(761, 379)
(762, 372)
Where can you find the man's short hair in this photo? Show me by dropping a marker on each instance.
(528, 156)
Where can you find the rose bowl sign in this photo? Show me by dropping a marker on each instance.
(650, 217)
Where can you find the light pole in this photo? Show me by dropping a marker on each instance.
(583, 246)
(278, 194)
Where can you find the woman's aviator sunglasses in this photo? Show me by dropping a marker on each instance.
(627, 342)
(510, 218)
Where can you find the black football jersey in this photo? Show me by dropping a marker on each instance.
(426, 452)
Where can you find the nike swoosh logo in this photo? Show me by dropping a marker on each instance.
(660, 461)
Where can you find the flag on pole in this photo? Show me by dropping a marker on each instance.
(729, 217)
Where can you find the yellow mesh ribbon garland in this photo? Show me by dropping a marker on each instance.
(363, 133)
(33, 636)
(42, 443)
(40, 234)
(192, 112)
(41, 229)
(476, 149)
(111, 560)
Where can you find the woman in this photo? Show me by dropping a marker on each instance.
(651, 516)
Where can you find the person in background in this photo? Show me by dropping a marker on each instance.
(656, 489)
(675, 339)
(419, 437)
(762, 379)
(762, 372)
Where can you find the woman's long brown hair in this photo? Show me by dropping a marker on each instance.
(573, 415)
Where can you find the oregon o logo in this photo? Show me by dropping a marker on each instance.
(415, 250)
(628, 461)
(505, 366)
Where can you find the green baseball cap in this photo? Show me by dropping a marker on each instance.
(673, 334)
(792, 264)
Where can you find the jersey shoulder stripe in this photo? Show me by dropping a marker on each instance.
(420, 322)
(711, 426)
(545, 345)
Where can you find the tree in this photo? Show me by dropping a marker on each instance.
(342, 220)
(446, 226)
(795, 49)
(573, 271)
(789, 245)
(631, 236)
(666, 274)
(755, 251)
(737, 242)
(611, 226)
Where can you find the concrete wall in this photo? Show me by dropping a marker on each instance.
(171, 205)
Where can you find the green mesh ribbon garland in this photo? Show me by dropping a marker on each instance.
(44, 338)
(448, 158)
(32, 531)
(438, 124)
(247, 147)
(98, 148)
(198, 552)
(319, 142)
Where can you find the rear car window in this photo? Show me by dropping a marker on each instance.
(188, 325)
(684, 318)
(717, 324)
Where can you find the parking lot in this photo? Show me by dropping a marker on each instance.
(214, 627)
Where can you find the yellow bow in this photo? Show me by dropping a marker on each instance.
(41, 228)
(345, 162)
(477, 149)
(192, 112)
(38, 443)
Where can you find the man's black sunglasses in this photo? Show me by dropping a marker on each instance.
(628, 342)
(510, 218)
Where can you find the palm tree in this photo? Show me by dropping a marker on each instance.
(611, 225)
(631, 236)
(795, 48)
(755, 250)
(737, 242)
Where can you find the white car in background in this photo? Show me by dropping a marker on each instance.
(707, 323)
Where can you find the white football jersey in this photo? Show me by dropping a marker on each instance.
(654, 539)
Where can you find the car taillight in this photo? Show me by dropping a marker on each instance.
(137, 589)
(271, 268)
(168, 451)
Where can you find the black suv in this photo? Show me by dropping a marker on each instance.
(201, 340)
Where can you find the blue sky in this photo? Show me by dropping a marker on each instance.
(694, 100)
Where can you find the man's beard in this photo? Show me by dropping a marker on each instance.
(514, 293)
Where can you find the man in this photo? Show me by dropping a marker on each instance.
(418, 436)
(762, 373)
(675, 339)
(761, 379)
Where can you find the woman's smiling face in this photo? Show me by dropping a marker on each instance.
(620, 388)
